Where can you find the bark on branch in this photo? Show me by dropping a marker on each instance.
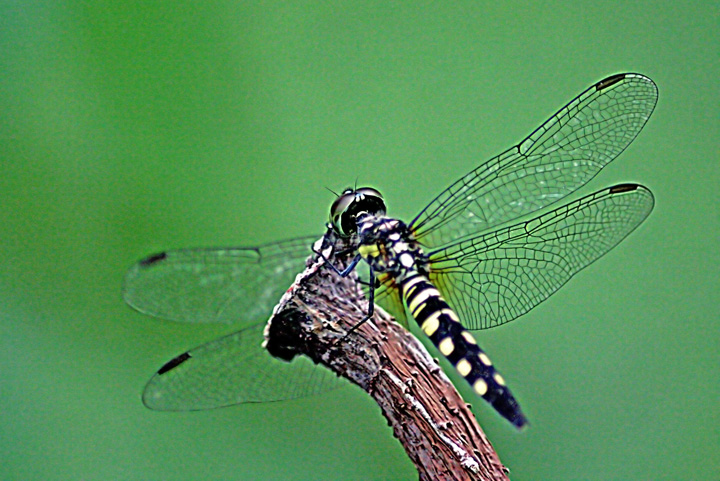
(428, 416)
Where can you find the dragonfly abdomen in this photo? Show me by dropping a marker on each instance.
(440, 323)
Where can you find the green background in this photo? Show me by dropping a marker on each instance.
(129, 127)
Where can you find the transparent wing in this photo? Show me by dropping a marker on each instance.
(559, 157)
(216, 285)
(494, 278)
(231, 370)
(388, 297)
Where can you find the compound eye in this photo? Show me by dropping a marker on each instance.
(339, 207)
(369, 200)
(369, 192)
(345, 209)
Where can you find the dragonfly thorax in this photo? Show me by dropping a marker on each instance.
(388, 246)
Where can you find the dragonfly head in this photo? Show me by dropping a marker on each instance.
(350, 204)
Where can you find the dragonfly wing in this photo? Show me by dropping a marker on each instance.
(559, 157)
(387, 296)
(494, 278)
(215, 285)
(234, 369)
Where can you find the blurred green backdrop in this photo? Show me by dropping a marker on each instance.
(129, 127)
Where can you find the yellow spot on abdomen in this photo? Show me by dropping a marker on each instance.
(464, 367)
(451, 314)
(469, 338)
(480, 387)
(431, 324)
(420, 299)
(411, 283)
(484, 359)
(446, 346)
(499, 379)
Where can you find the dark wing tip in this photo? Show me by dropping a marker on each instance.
(173, 363)
(153, 259)
(611, 80)
(623, 188)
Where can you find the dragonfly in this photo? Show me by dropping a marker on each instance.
(482, 253)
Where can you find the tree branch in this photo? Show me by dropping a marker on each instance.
(428, 416)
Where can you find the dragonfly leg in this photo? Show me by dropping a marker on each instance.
(371, 307)
(371, 283)
(346, 271)
(374, 285)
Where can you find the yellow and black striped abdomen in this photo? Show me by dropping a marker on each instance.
(440, 323)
